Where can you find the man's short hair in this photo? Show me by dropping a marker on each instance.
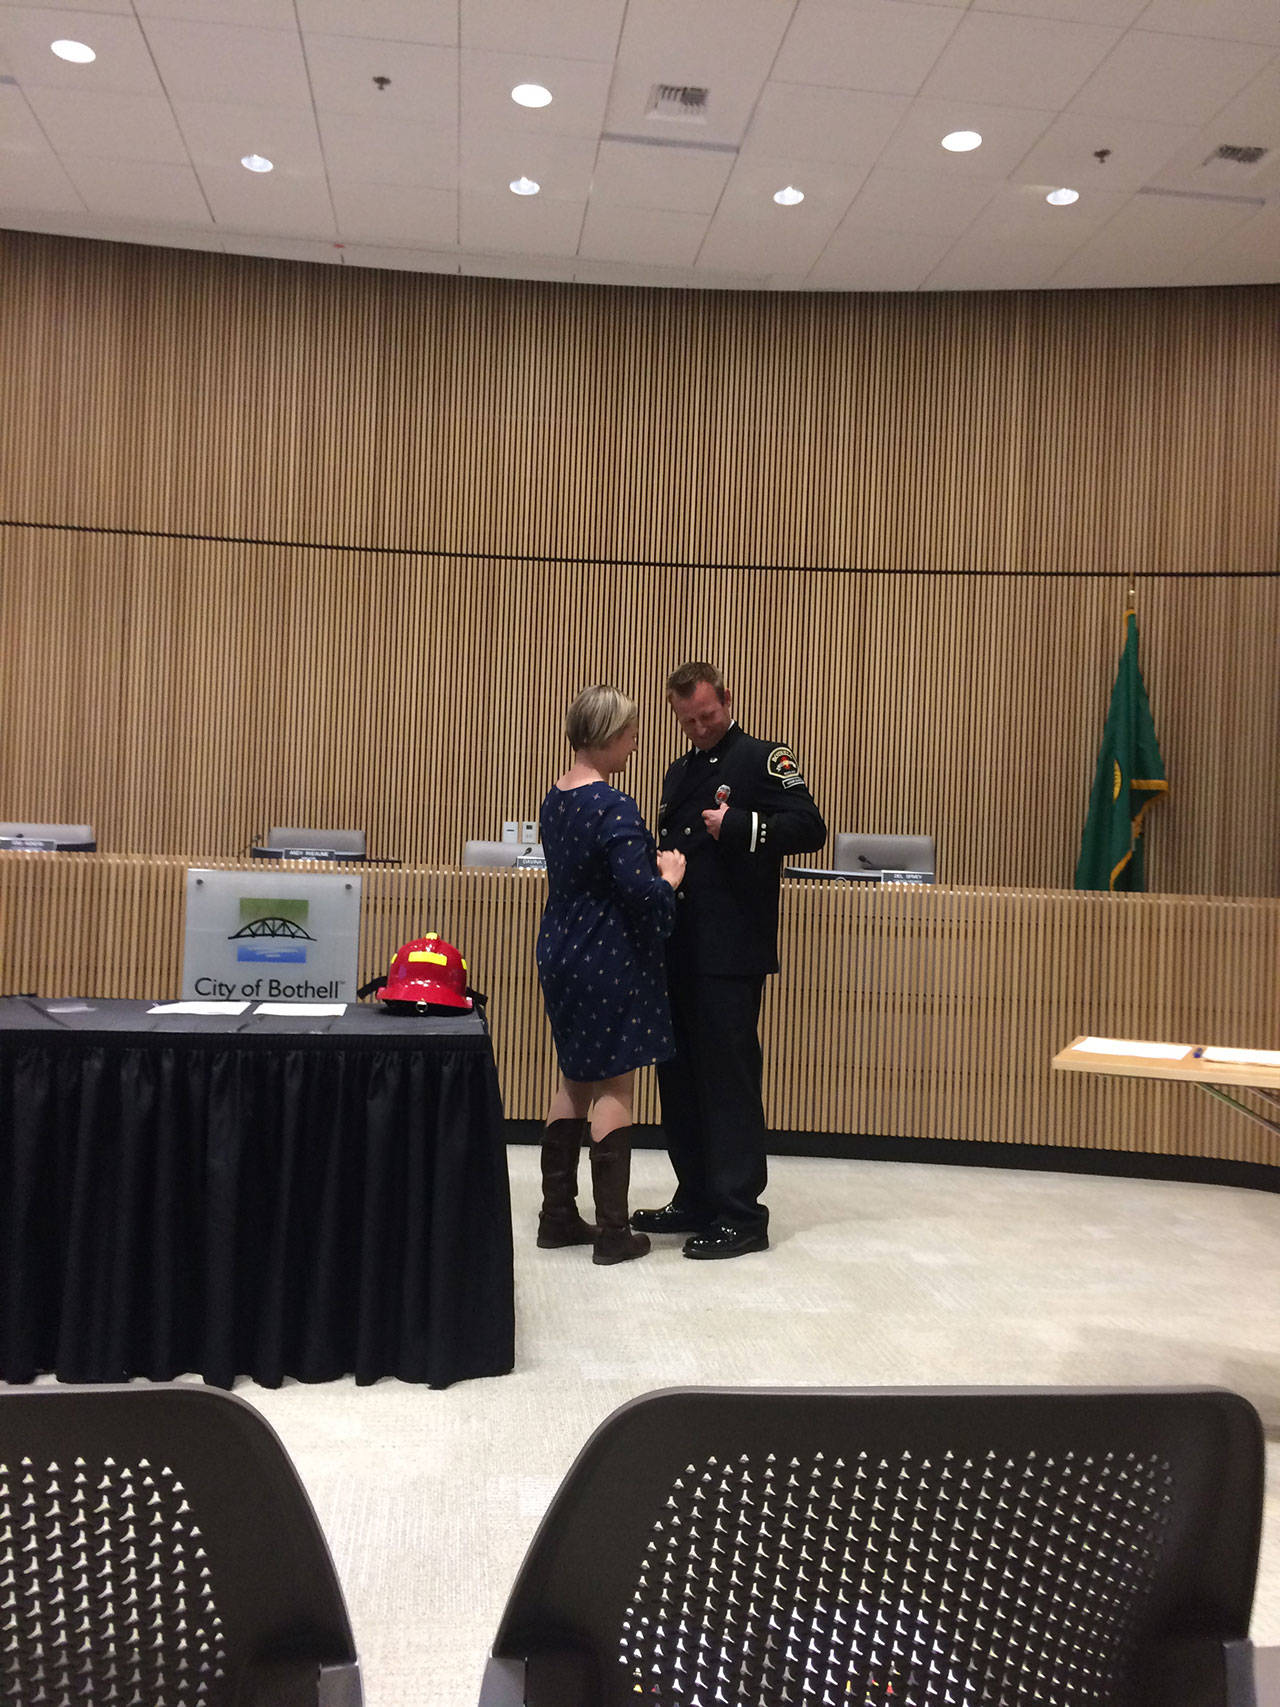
(683, 681)
(598, 714)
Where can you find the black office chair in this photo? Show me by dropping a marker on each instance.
(156, 1546)
(716, 1548)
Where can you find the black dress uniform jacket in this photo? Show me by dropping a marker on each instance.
(727, 905)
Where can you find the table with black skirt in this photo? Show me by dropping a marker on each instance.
(252, 1195)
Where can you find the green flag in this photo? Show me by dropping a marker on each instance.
(1129, 777)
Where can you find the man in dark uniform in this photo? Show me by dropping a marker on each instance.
(736, 807)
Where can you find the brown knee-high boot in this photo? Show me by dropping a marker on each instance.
(559, 1224)
(610, 1177)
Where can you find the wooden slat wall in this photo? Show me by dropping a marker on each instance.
(183, 696)
(904, 525)
(909, 1012)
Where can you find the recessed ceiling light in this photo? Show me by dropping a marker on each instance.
(1062, 198)
(257, 163)
(75, 51)
(531, 95)
(524, 187)
(961, 141)
(788, 197)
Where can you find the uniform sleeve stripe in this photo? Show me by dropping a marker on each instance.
(755, 830)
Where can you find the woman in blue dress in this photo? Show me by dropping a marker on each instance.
(611, 899)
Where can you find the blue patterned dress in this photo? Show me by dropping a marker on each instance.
(600, 953)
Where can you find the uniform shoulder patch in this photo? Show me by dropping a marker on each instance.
(784, 765)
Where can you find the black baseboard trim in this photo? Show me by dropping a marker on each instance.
(957, 1152)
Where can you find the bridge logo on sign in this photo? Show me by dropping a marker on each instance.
(273, 931)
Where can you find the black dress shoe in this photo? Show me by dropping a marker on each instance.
(667, 1220)
(722, 1240)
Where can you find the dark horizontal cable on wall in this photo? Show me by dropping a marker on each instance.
(570, 562)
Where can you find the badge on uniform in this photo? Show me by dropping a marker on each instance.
(722, 794)
(784, 765)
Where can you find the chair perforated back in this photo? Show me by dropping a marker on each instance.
(852, 851)
(719, 1548)
(157, 1547)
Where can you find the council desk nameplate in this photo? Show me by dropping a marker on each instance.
(273, 936)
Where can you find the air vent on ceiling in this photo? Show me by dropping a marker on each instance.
(680, 101)
(1233, 162)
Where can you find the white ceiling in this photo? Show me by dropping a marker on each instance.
(845, 99)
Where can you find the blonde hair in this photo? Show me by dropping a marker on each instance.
(597, 715)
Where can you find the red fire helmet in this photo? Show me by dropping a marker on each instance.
(427, 972)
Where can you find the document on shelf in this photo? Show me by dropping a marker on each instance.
(1123, 1046)
(198, 1008)
(301, 1010)
(1243, 1057)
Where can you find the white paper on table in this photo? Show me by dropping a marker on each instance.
(198, 1008)
(301, 1010)
(1243, 1057)
(70, 1008)
(1145, 1051)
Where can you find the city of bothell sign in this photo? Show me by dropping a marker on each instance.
(270, 936)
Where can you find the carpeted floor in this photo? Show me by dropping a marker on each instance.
(880, 1275)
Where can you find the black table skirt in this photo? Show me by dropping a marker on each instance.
(260, 1199)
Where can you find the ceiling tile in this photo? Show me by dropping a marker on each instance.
(749, 232)
(562, 165)
(520, 225)
(37, 182)
(647, 236)
(138, 189)
(20, 132)
(375, 151)
(272, 203)
(262, 14)
(842, 126)
(423, 87)
(1024, 62)
(1019, 213)
(684, 180)
(901, 201)
(217, 134)
(123, 7)
(1007, 133)
(983, 266)
(580, 91)
(116, 127)
(1118, 13)
(1254, 115)
(828, 190)
(1248, 255)
(889, 46)
(1173, 228)
(1227, 20)
(433, 21)
(857, 259)
(228, 62)
(392, 213)
(123, 65)
(563, 29)
(1066, 152)
(1161, 77)
(739, 242)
